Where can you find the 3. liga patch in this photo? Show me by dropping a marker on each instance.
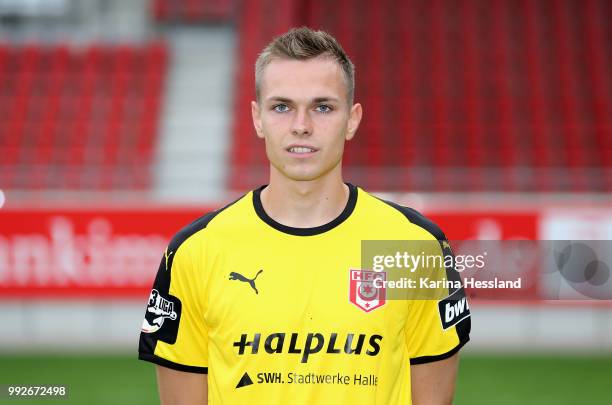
(158, 310)
(363, 292)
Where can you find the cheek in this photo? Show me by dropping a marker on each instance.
(331, 126)
(276, 119)
(274, 127)
(338, 129)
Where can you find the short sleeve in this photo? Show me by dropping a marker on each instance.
(437, 328)
(173, 332)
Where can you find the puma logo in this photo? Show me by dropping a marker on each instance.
(237, 276)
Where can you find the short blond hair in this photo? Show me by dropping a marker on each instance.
(304, 43)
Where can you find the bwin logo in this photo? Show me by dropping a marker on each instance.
(453, 309)
(158, 309)
(251, 281)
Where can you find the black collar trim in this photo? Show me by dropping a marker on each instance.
(348, 210)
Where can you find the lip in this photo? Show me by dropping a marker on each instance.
(300, 155)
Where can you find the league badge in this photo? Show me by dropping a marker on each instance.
(158, 309)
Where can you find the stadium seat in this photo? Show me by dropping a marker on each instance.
(69, 116)
(482, 95)
(192, 11)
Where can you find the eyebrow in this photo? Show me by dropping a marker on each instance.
(315, 100)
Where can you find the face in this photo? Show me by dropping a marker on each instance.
(304, 117)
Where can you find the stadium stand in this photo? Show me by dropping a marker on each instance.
(79, 118)
(484, 96)
(484, 100)
(192, 11)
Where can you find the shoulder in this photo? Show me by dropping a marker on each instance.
(410, 216)
(195, 229)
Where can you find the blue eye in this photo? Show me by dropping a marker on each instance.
(280, 108)
(324, 108)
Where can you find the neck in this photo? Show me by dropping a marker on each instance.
(304, 204)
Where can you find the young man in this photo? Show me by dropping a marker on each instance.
(260, 302)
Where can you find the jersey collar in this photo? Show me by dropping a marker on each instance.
(348, 210)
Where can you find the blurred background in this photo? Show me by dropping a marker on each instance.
(122, 121)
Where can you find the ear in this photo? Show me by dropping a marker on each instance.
(353, 121)
(256, 114)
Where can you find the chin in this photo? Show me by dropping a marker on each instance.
(303, 172)
(302, 176)
(299, 174)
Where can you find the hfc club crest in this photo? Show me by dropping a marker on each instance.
(363, 291)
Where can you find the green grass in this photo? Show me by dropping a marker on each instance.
(91, 380)
(540, 380)
(483, 379)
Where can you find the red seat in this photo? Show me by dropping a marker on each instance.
(62, 110)
(473, 91)
(192, 11)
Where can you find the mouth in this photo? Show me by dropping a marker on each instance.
(300, 150)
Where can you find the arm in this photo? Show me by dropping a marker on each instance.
(181, 388)
(434, 383)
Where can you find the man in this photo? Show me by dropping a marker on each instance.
(260, 303)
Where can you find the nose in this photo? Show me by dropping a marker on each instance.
(302, 124)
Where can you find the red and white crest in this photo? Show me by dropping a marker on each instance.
(364, 291)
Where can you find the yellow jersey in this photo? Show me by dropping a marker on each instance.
(281, 315)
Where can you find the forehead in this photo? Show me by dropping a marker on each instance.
(311, 78)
